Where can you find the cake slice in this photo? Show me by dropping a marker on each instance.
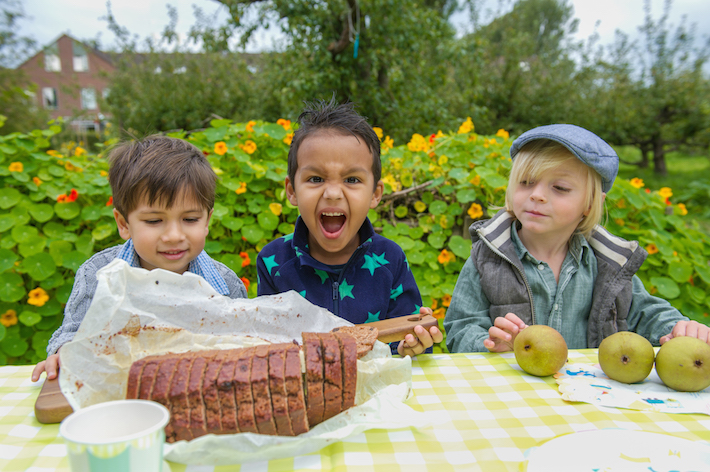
(180, 412)
(263, 412)
(242, 392)
(294, 390)
(348, 355)
(314, 378)
(277, 387)
(225, 390)
(365, 337)
(333, 374)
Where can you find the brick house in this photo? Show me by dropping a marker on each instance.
(70, 77)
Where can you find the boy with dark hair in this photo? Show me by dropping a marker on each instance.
(163, 196)
(334, 258)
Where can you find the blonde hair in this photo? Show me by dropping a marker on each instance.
(542, 155)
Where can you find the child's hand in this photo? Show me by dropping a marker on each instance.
(688, 328)
(413, 345)
(503, 332)
(51, 366)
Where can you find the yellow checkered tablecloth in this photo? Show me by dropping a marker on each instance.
(487, 414)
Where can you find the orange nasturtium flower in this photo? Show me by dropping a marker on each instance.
(285, 123)
(38, 297)
(475, 211)
(220, 148)
(110, 201)
(636, 182)
(440, 313)
(418, 143)
(275, 208)
(683, 210)
(652, 248)
(246, 282)
(54, 153)
(249, 146)
(503, 134)
(250, 128)
(242, 188)
(37, 181)
(466, 126)
(70, 167)
(446, 301)
(16, 167)
(665, 192)
(9, 318)
(445, 257)
(103, 173)
(378, 132)
(79, 151)
(476, 180)
(288, 138)
(245, 259)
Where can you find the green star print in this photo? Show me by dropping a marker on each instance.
(270, 263)
(396, 292)
(372, 317)
(322, 274)
(346, 290)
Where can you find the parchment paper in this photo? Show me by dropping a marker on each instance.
(136, 312)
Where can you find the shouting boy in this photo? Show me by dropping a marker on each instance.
(334, 258)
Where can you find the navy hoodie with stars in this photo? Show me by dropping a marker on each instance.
(375, 284)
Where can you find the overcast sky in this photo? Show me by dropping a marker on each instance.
(48, 19)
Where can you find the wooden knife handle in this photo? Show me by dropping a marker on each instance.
(395, 329)
(51, 406)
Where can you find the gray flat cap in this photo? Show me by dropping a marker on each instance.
(587, 146)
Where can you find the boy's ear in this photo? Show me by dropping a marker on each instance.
(290, 191)
(123, 229)
(207, 223)
(377, 194)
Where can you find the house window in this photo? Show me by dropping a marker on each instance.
(52, 63)
(81, 59)
(88, 99)
(49, 98)
(105, 93)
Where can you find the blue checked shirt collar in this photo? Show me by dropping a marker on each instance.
(202, 265)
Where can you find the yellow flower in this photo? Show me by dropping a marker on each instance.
(439, 134)
(218, 171)
(38, 297)
(103, 173)
(285, 123)
(466, 126)
(16, 167)
(79, 151)
(420, 206)
(446, 301)
(392, 182)
(620, 222)
(683, 210)
(652, 249)
(443, 221)
(396, 163)
(665, 192)
(445, 257)
(249, 146)
(378, 132)
(503, 134)
(242, 188)
(388, 143)
(275, 208)
(440, 313)
(250, 126)
(418, 143)
(476, 180)
(220, 148)
(621, 203)
(38, 182)
(443, 160)
(54, 153)
(9, 318)
(288, 138)
(636, 182)
(475, 211)
(69, 166)
(434, 304)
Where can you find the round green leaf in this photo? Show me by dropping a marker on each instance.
(415, 257)
(53, 229)
(233, 261)
(103, 231)
(24, 233)
(272, 129)
(213, 247)
(460, 246)
(9, 197)
(21, 215)
(401, 211)
(466, 196)
(252, 233)
(73, 260)
(286, 228)
(39, 266)
(67, 211)
(57, 249)
(40, 340)
(29, 318)
(680, 271)
(13, 347)
(667, 288)
(6, 222)
(267, 220)
(51, 308)
(416, 232)
(437, 207)
(3, 332)
(32, 246)
(85, 244)
(41, 212)
(91, 213)
(437, 239)
(12, 288)
(220, 211)
(56, 171)
(7, 259)
(62, 293)
(232, 223)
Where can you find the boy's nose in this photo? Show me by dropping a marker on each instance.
(333, 192)
(538, 194)
(173, 233)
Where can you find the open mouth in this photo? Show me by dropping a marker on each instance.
(332, 222)
(173, 254)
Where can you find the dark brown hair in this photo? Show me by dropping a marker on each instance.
(331, 116)
(160, 169)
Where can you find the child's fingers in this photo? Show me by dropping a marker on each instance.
(512, 317)
(506, 325)
(37, 371)
(436, 334)
(424, 337)
(496, 333)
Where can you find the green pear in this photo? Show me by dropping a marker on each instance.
(540, 350)
(683, 364)
(626, 356)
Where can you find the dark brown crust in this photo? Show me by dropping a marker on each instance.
(180, 413)
(150, 371)
(294, 389)
(365, 337)
(213, 410)
(263, 412)
(277, 387)
(242, 391)
(134, 379)
(333, 386)
(225, 389)
(194, 394)
(163, 379)
(348, 353)
(314, 378)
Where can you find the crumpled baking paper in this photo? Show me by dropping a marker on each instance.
(136, 313)
(588, 383)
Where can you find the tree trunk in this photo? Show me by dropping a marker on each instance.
(645, 151)
(659, 157)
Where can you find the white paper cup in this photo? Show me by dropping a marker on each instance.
(121, 435)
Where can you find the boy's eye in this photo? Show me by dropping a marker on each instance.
(352, 180)
(152, 222)
(315, 179)
(192, 220)
(527, 182)
(562, 189)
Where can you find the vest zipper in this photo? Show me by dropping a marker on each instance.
(335, 298)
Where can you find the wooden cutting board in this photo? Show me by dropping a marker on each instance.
(52, 407)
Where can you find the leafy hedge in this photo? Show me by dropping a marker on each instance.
(55, 212)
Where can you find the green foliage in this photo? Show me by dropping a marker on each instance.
(434, 187)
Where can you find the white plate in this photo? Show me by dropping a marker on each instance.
(619, 450)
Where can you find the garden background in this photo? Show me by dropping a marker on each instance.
(446, 108)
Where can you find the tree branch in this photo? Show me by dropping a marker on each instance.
(336, 48)
(406, 191)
